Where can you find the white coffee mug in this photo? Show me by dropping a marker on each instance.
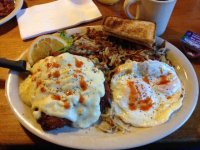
(158, 11)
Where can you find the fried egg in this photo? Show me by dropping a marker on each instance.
(145, 93)
(66, 86)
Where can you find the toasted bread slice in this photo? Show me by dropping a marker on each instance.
(141, 32)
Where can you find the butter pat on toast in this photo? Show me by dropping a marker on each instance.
(137, 31)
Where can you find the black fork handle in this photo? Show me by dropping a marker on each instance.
(19, 65)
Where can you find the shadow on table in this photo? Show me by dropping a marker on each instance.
(42, 144)
(8, 26)
(2, 84)
(155, 146)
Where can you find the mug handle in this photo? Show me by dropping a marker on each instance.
(127, 4)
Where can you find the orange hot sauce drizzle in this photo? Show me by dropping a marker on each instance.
(145, 104)
(78, 63)
(75, 75)
(38, 83)
(81, 99)
(164, 80)
(49, 65)
(56, 74)
(145, 79)
(49, 75)
(83, 84)
(69, 65)
(132, 96)
(55, 65)
(132, 106)
(67, 105)
(134, 103)
(55, 97)
(42, 89)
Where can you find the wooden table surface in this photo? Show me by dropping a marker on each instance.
(186, 16)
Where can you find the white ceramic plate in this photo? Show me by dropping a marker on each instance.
(18, 5)
(94, 139)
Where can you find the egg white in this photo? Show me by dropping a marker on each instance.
(152, 79)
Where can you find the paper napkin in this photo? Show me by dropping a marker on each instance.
(53, 16)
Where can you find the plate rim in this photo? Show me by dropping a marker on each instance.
(19, 4)
(48, 138)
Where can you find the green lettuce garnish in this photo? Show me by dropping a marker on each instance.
(69, 41)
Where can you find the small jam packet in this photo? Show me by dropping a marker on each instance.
(191, 44)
